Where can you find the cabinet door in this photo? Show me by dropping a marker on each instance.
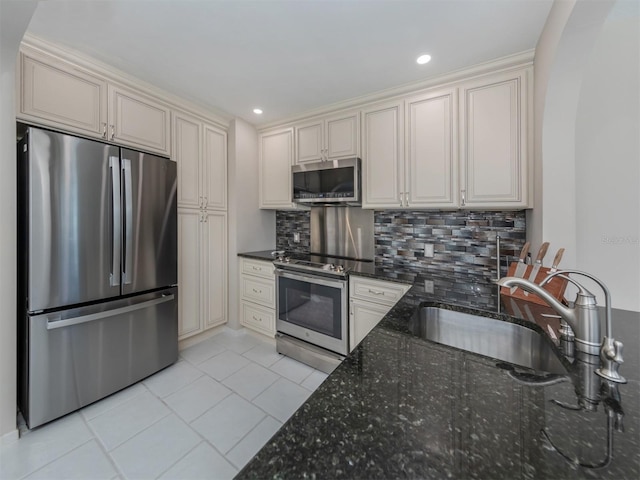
(138, 121)
(494, 142)
(309, 142)
(343, 136)
(56, 93)
(364, 316)
(276, 157)
(186, 152)
(214, 265)
(214, 161)
(431, 156)
(382, 152)
(189, 279)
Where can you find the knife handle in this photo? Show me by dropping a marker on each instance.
(556, 260)
(542, 252)
(524, 252)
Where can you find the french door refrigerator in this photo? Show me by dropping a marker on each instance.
(97, 263)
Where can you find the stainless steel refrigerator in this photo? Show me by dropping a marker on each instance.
(97, 263)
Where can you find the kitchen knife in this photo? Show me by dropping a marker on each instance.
(536, 266)
(556, 261)
(521, 267)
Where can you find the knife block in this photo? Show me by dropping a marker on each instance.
(556, 287)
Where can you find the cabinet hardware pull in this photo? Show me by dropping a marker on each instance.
(256, 291)
(113, 132)
(406, 199)
(376, 292)
(256, 319)
(400, 198)
(104, 129)
(257, 268)
(206, 201)
(463, 197)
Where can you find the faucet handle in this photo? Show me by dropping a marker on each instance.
(611, 356)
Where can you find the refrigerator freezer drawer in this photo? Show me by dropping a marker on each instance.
(75, 357)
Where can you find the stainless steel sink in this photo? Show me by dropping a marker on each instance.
(493, 338)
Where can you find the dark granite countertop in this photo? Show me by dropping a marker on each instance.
(402, 406)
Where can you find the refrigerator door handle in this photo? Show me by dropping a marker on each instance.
(53, 324)
(116, 219)
(128, 223)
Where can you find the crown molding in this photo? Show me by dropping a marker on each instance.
(509, 62)
(114, 75)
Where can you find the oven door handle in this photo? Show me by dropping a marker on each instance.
(311, 278)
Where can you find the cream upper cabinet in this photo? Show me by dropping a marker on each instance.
(55, 93)
(187, 148)
(328, 138)
(201, 153)
(137, 120)
(276, 159)
(382, 155)
(58, 94)
(310, 142)
(494, 122)
(431, 161)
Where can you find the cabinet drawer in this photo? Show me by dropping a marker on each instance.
(258, 318)
(259, 290)
(387, 293)
(258, 268)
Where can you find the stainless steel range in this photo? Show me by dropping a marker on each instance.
(313, 290)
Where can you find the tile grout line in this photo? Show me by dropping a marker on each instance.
(247, 434)
(102, 447)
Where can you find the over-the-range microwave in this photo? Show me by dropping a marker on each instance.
(329, 182)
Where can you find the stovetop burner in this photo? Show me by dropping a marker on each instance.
(316, 263)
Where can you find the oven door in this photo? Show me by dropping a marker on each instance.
(313, 308)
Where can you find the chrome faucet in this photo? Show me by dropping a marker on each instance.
(583, 319)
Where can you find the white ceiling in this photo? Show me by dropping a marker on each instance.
(288, 57)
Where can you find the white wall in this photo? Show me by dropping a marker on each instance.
(14, 18)
(544, 59)
(250, 229)
(607, 148)
(568, 188)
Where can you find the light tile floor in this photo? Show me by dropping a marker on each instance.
(203, 417)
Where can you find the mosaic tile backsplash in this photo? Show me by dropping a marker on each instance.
(288, 223)
(464, 241)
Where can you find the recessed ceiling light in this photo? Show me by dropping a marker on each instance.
(257, 111)
(422, 59)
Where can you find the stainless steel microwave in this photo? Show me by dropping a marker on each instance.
(329, 182)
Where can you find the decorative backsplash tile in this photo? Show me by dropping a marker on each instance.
(288, 223)
(464, 241)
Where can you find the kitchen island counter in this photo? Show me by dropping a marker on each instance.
(402, 406)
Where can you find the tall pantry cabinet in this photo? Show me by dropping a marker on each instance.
(200, 150)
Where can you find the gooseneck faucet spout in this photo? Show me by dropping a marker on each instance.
(582, 318)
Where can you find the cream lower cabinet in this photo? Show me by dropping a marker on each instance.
(369, 301)
(202, 270)
(61, 95)
(494, 147)
(257, 295)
